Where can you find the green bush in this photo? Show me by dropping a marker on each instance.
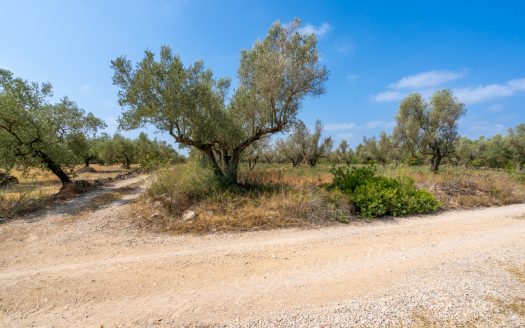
(375, 196)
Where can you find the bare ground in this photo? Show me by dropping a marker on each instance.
(71, 266)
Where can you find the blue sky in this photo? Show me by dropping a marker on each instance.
(376, 51)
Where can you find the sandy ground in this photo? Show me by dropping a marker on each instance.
(60, 268)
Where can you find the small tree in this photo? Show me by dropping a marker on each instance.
(292, 148)
(517, 144)
(154, 153)
(269, 153)
(118, 149)
(84, 148)
(466, 151)
(275, 75)
(315, 148)
(429, 130)
(34, 132)
(255, 152)
(344, 153)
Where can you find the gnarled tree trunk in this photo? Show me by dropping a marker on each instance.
(54, 167)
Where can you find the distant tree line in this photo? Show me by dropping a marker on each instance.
(425, 133)
(34, 132)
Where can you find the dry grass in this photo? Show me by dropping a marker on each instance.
(515, 305)
(458, 187)
(252, 210)
(455, 187)
(275, 196)
(517, 272)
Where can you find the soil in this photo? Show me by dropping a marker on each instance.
(67, 267)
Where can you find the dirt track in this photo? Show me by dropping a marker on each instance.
(93, 269)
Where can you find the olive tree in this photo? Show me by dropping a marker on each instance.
(35, 132)
(195, 108)
(429, 130)
(155, 153)
(517, 144)
(344, 153)
(316, 148)
(117, 149)
(84, 147)
(292, 148)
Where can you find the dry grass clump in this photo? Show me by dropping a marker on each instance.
(22, 203)
(251, 206)
(465, 187)
(248, 210)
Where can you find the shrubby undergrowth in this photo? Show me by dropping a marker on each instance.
(375, 196)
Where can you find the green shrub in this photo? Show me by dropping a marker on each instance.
(348, 179)
(375, 196)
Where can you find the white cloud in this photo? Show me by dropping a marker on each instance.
(376, 124)
(387, 96)
(318, 31)
(426, 83)
(339, 126)
(517, 85)
(426, 79)
(472, 95)
(347, 136)
(352, 77)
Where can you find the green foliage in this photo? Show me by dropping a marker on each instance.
(195, 108)
(375, 196)
(429, 130)
(152, 154)
(348, 179)
(35, 132)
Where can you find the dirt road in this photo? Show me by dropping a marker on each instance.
(66, 269)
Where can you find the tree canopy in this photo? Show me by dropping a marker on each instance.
(196, 108)
(429, 130)
(33, 131)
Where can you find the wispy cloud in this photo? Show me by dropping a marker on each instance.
(318, 31)
(427, 82)
(353, 126)
(352, 77)
(473, 95)
(387, 96)
(426, 79)
(346, 135)
(376, 124)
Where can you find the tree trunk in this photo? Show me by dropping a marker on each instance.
(127, 163)
(214, 165)
(436, 161)
(54, 167)
(86, 162)
(231, 168)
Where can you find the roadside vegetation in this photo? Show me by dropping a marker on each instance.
(252, 162)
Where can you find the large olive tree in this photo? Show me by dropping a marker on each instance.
(429, 130)
(35, 132)
(196, 109)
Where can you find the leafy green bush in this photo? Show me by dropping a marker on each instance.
(348, 179)
(375, 196)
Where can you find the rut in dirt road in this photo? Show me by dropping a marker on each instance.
(452, 268)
